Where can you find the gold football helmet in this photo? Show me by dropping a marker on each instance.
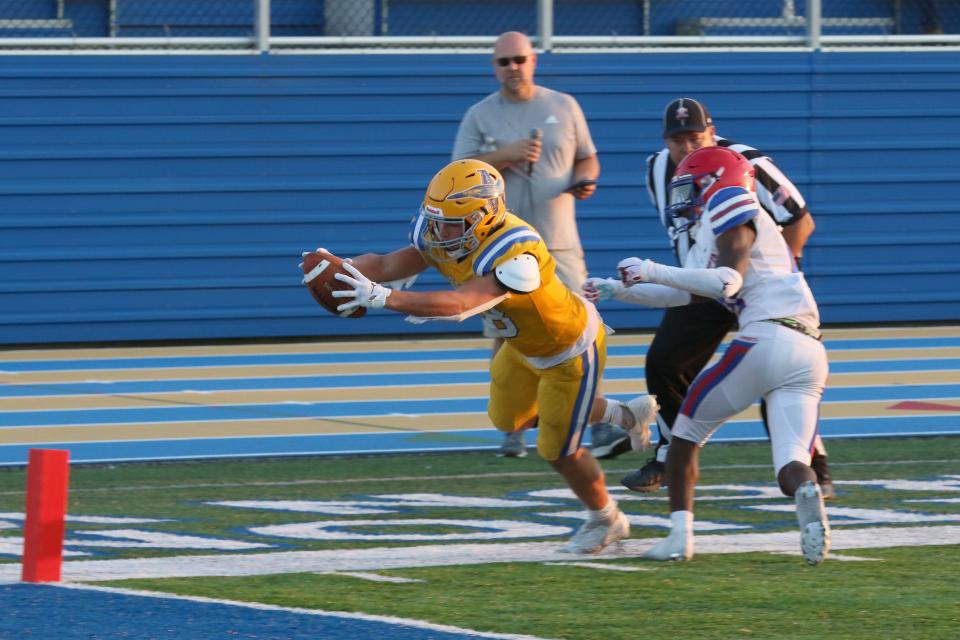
(463, 205)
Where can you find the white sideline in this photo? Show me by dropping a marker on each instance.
(381, 558)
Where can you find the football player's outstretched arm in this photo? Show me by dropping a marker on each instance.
(462, 300)
(473, 297)
(722, 281)
(395, 265)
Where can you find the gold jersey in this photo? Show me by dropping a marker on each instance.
(542, 323)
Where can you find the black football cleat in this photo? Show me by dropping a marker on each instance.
(646, 479)
(607, 441)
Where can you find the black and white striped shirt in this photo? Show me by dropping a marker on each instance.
(777, 195)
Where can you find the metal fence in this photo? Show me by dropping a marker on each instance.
(378, 25)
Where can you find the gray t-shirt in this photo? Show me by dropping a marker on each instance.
(538, 197)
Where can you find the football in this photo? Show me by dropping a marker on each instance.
(319, 269)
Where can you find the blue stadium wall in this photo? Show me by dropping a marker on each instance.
(169, 197)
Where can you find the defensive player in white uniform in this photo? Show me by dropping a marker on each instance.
(740, 258)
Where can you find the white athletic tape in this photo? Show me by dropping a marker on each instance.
(317, 270)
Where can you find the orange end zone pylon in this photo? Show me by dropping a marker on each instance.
(48, 475)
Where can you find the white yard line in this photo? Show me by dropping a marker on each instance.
(381, 558)
(372, 577)
(603, 566)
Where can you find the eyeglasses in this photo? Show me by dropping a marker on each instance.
(503, 62)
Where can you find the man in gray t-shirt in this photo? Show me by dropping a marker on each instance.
(540, 141)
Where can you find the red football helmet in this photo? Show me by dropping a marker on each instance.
(700, 175)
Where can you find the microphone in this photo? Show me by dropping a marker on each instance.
(535, 134)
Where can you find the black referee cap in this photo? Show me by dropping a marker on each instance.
(685, 114)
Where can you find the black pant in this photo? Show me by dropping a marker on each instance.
(685, 340)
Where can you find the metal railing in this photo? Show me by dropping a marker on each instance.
(365, 26)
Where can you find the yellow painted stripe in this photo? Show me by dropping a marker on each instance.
(103, 433)
(417, 344)
(274, 348)
(251, 371)
(335, 369)
(397, 392)
(365, 424)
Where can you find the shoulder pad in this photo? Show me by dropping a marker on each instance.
(520, 273)
(730, 207)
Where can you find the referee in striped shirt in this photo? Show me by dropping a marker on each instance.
(688, 336)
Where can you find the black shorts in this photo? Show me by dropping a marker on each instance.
(685, 340)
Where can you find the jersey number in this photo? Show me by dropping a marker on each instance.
(501, 325)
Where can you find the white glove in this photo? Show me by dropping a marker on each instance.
(364, 293)
(402, 283)
(634, 270)
(598, 289)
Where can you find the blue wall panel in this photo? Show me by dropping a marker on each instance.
(169, 197)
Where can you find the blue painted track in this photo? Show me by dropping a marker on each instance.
(258, 400)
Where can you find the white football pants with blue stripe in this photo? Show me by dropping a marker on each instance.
(765, 360)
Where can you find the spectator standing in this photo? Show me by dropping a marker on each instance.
(539, 139)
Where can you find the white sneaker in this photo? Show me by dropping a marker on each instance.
(595, 535)
(513, 446)
(677, 546)
(814, 526)
(644, 410)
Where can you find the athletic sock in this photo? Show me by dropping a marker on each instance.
(605, 514)
(681, 521)
(662, 454)
(615, 413)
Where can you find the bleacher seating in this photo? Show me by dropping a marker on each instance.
(214, 18)
(34, 19)
(223, 18)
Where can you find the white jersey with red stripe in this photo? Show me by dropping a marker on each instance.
(772, 287)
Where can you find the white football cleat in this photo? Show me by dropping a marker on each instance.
(514, 445)
(814, 526)
(644, 410)
(595, 535)
(677, 546)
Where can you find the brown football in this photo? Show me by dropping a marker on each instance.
(320, 267)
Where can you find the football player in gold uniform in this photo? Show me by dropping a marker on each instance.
(548, 371)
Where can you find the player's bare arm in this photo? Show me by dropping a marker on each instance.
(468, 296)
(734, 247)
(395, 265)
